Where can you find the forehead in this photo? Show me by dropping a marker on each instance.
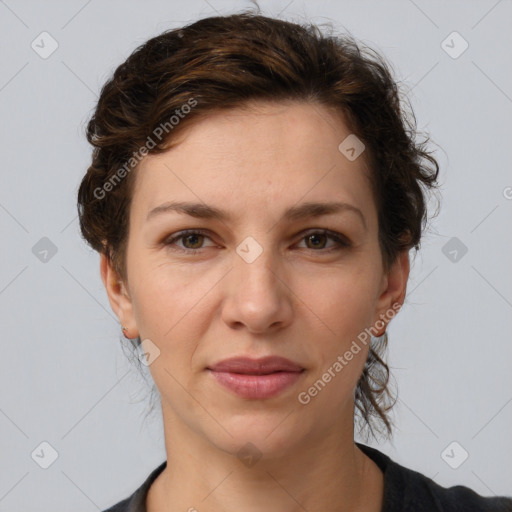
(260, 156)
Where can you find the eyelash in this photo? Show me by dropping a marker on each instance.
(340, 241)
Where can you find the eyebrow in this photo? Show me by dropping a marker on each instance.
(294, 213)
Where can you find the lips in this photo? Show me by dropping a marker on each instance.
(256, 378)
(262, 366)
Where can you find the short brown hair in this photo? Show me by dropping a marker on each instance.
(225, 62)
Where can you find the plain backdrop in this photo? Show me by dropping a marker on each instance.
(64, 380)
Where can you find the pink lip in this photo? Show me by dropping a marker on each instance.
(256, 378)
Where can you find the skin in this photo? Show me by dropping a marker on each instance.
(297, 299)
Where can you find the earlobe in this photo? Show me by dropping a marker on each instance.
(118, 296)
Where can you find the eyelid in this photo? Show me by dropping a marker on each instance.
(184, 233)
(341, 241)
(340, 237)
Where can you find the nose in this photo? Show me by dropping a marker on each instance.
(258, 295)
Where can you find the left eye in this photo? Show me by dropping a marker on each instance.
(316, 238)
(192, 240)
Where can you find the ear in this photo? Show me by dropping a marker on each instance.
(392, 293)
(118, 296)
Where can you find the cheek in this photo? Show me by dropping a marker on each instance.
(342, 299)
(340, 306)
(164, 295)
(171, 309)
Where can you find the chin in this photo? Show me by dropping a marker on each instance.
(261, 434)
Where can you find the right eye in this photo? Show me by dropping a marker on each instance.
(193, 237)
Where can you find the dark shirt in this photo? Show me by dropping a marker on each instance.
(405, 490)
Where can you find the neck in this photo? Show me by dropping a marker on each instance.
(327, 472)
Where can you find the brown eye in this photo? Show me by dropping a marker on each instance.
(187, 241)
(194, 240)
(317, 241)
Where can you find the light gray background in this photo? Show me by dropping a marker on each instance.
(64, 377)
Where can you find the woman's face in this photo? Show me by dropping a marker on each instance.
(265, 280)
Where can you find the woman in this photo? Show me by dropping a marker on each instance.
(254, 192)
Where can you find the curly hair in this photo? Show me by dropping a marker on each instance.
(225, 62)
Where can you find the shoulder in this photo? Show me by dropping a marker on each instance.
(406, 489)
(457, 498)
(137, 501)
(122, 506)
(460, 498)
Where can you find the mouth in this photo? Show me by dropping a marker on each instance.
(256, 378)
